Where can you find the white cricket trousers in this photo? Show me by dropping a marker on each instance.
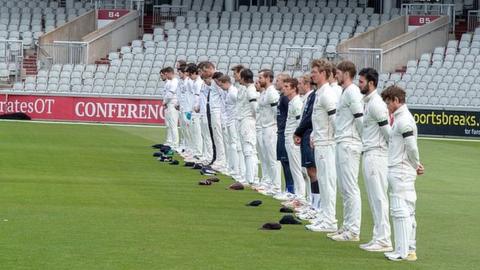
(232, 150)
(248, 138)
(327, 183)
(241, 157)
(402, 207)
(216, 122)
(225, 146)
(171, 120)
(196, 135)
(375, 168)
(184, 131)
(348, 162)
(181, 129)
(207, 140)
(295, 161)
(273, 168)
(261, 157)
(187, 133)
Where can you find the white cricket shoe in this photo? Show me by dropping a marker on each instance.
(292, 203)
(271, 192)
(321, 227)
(393, 256)
(340, 231)
(283, 196)
(376, 247)
(308, 214)
(303, 209)
(260, 187)
(346, 236)
(263, 191)
(363, 246)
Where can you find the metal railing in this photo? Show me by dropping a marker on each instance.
(44, 60)
(362, 58)
(63, 52)
(473, 20)
(165, 13)
(11, 55)
(299, 58)
(112, 4)
(431, 9)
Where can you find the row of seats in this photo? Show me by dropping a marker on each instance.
(457, 56)
(98, 79)
(226, 46)
(22, 4)
(229, 38)
(248, 56)
(306, 25)
(460, 5)
(442, 94)
(207, 5)
(327, 31)
(24, 21)
(7, 70)
(450, 76)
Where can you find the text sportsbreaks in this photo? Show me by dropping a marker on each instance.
(446, 119)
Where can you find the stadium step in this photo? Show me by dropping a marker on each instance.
(401, 70)
(30, 64)
(103, 61)
(148, 24)
(461, 27)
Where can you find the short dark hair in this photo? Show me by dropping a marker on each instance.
(370, 74)
(208, 64)
(224, 78)
(267, 73)
(347, 66)
(246, 75)
(393, 92)
(192, 68)
(217, 75)
(166, 70)
(182, 67)
(201, 65)
(292, 82)
(181, 62)
(237, 68)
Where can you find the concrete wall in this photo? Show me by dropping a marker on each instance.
(409, 46)
(113, 36)
(73, 30)
(375, 37)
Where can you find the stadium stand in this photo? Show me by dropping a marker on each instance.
(25, 22)
(448, 77)
(254, 36)
(28, 20)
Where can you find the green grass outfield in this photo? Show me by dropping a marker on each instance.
(93, 197)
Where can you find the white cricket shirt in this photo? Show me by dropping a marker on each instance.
(350, 104)
(294, 114)
(267, 105)
(324, 109)
(170, 92)
(375, 115)
(403, 126)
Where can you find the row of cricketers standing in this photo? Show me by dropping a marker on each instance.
(316, 128)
